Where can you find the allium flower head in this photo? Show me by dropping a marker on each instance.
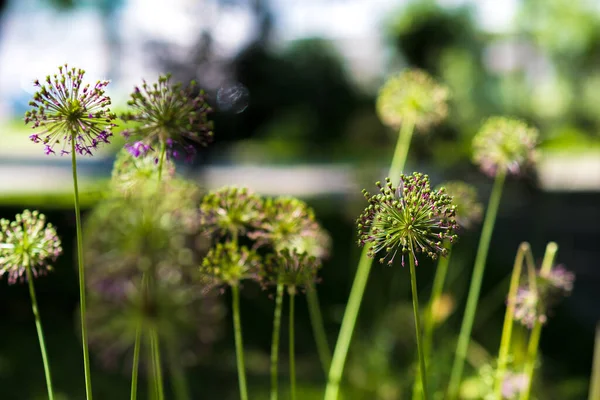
(504, 144)
(68, 112)
(290, 268)
(28, 241)
(513, 385)
(169, 116)
(558, 279)
(410, 218)
(412, 96)
(528, 307)
(131, 174)
(231, 211)
(228, 264)
(290, 224)
(468, 210)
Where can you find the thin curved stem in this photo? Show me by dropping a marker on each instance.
(429, 323)
(81, 270)
(40, 333)
(163, 152)
(316, 321)
(158, 374)
(415, 301)
(536, 332)
(509, 317)
(362, 276)
(239, 346)
(275, 341)
(292, 349)
(475, 287)
(136, 362)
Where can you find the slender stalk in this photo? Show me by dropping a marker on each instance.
(475, 287)
(180, 386)
(509, 317)
(158, 375)
(316, 320)
(415, 301)
(275, 341)
(292, 294)
(163, 152)
(595, 380)
(38, 327)
(136, 362)
(360, 279)
(536, 332)
(239, 346)
(152, 391)
(81, 270)
(429, 323)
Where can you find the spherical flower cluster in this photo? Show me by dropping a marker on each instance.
(229, 264)
(504, 144)
(468, 210)
(70, 114)
(132, 174)
(414, 97)
(231, 211)
(528, 308)
(289, 223)
(27, 242)
(410, 218)
(558, 279)
(168, 116)
(514, 384)
(292, 269)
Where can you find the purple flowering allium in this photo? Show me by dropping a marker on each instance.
(229, 264)
(513, 385)
(410, 218)
(70, 114)
(132, 174)
(169, 117)
(27, 242)
(295, 270)
(528, 307)
(559, 278)
(289, 223)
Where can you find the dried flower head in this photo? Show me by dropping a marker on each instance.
(504, 144)
(228, 264)
(411, 218)
(289, 223)
(412, 96)
(132, 173)
(27, 242)
(168, 116)
(70, 114)
(231, 211)
(468, 210)
(293, 269)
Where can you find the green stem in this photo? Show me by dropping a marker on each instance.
(152, 391)
(415, 301)
(509, 317)
(84, 336)
(316, 320)
(158, 375)
(180, 386)
(536, 332)
(292, 294)
(475, 287)
(136, 362)
(275, 341)
(595, 379)
(429, 323)
(163, 152)
(40, 333)
(239, 346)
(360, 279)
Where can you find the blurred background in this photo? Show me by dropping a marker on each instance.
(293, 85)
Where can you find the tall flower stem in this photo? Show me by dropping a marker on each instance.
(292, 349)
(275, 341)
(158, 375)
(362, 275)
(475, 288)
(180, 386)
(534, 338)
(415, 301)
(316, 320)
(509, 317)
(239, 346)
(82, 306)
(40, 333)
(429, 323)
(595, 380)
(136, 362)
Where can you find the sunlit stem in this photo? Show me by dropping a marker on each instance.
(416, 312)
(136, 362)
(316, 321)
(275, 341)
(239, 346)
(595, 380)
(292, 293)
